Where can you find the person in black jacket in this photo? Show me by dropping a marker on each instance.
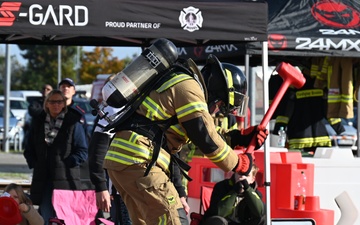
(67, 87)
(55, 150)
(236, 201)
(35, 108)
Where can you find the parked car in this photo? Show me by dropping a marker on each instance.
(27, 95)
(18, 106)
(84, 104)
(16, 132)
(347, 139)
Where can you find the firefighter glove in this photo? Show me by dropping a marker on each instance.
(244, 164)
(244, 136)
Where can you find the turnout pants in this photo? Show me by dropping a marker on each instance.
(150, 199)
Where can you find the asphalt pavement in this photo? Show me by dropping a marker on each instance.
(13, 163)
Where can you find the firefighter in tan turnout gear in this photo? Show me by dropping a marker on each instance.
(167, 112)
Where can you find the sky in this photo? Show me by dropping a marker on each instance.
(119, 52)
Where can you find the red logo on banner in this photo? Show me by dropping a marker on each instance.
(277, 42)
(7, 18)
(198, 51)
(336, 14)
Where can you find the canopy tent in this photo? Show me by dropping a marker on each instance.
(137, 23)
(134, 23)
(299, 28)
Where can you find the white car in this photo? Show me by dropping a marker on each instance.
(18, 106)
(347, 139)
(15, 134)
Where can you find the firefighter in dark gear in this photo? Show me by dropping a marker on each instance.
(146, 188)
(304, 125)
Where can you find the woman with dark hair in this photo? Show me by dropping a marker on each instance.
(55, 150)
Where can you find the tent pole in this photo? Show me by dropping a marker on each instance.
(247, 75)
(358, 125)
(267, 143)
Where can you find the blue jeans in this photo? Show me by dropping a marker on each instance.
(46, 209)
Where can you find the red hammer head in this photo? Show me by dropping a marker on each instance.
(290, 74)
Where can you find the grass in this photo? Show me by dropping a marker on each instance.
(15, 176)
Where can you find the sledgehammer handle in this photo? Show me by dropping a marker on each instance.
(291, 76)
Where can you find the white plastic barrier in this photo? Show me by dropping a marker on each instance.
(336, 171)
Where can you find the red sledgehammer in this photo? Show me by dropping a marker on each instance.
(290, 76)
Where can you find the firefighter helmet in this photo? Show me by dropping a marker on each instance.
(227, 83)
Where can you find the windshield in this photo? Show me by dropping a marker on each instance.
(15, 104)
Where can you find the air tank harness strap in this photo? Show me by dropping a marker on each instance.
(152, 130)
(182, 165)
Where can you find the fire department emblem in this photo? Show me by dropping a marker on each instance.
(191, 19)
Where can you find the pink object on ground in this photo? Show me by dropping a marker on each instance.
(75, 207)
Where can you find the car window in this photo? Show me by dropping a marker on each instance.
(15, 104)
(84, 105)
(18, 104)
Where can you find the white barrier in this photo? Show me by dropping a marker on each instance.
(336, 171)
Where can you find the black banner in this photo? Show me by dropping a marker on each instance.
(132, 23)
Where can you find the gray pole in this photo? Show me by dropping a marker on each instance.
(266, 78)
(6, 100)
(59, 64)
(358, 125)
(252, 99)
(253, 96)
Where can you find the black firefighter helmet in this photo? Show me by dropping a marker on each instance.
(227, 83)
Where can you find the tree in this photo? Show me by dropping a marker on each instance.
(16, 70)
(42, 66)
(100, 61)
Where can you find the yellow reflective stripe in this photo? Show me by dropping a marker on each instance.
(131, 147)
(162, 220)
(325, 65)
(174, 80)
(233, 127)
(163, 161)
(329, 74)
(139, 150)
(282, 119)
(221, 155)
(347, 98)
(334, 98)
(154, 110)
(177, 128)
(314, 70)
(309, 142)
(123, 158)
(230, 84)
(309, 93)
(333, 121)
(225, 123)
(191, 108)
(133, 137)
